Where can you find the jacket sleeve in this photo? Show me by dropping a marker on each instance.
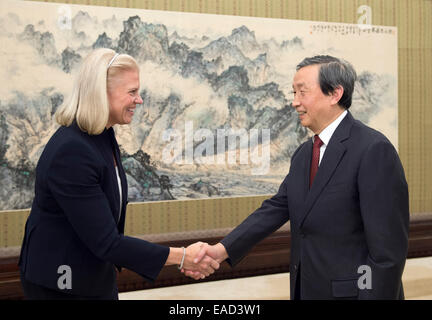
(74, 179)
(384, 205)
(272, 214)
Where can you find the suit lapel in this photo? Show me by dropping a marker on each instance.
(333, 154)
(306, 168)
(122, 173)
(104, 144)
(123, 180)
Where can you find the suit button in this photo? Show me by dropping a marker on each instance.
(295, 267)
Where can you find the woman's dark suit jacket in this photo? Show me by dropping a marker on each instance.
(74, 219)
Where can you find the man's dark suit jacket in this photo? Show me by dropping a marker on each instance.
(75, 217)
(356, 213)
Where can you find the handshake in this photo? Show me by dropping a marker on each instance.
(199, 260)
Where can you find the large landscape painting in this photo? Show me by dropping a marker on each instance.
(217, 118)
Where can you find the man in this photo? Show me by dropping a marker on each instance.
(350, 216)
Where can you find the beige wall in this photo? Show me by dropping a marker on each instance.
(414, 21)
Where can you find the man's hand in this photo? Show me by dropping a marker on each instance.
(216, 253)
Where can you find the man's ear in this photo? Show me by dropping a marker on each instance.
(336, 95)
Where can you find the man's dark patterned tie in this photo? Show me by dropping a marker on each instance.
(315, 158)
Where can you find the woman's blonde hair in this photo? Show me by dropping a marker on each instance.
(88, 103)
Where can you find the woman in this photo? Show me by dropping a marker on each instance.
(74, 233)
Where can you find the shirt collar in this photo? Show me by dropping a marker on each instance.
(327, 133)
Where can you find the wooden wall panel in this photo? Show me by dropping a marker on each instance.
(272, 255)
